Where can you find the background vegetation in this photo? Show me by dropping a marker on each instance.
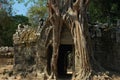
(99, 10)
(104, 10)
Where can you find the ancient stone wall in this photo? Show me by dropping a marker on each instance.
(106, 43)
(31, 47)
(6, 52)
(6, 55)
(43, 43)
(116, 50)
(24, 49)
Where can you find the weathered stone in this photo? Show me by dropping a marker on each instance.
(24, 49)
(34, 51)
(24, 35)
(107, 47)
(6, 52)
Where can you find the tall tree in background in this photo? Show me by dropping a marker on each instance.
(6, 5)
(38, 10)
(8, 23)
(99, 10)
(5, 21)
(102, 10)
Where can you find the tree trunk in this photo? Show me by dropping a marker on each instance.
(56, 42)
(56, 21)
(82, 50)
(74, 16)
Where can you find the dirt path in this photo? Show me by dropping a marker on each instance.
(6, 73)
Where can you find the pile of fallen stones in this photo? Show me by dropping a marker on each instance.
(102, 76)
(6, 51)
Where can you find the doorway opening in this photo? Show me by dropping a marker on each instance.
(65, 61)
(49, 57)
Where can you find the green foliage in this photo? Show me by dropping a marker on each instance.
(7, 5)
(5, 28)
(39, 10)
(104, 10)
(8, 26)
(9, 23)
(5, 22)
(20, 19)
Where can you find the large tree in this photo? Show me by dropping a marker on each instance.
(72, 13)
(38, 10)
(6, 23)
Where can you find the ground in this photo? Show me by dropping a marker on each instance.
(6, 73)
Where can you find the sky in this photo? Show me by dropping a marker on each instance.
(20, 8)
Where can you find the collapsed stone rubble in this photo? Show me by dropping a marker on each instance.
(6, 51)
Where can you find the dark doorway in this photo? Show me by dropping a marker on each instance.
(65, 61)
(49, 57)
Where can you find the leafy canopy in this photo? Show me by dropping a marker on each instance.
(104, 10)
(38, 10)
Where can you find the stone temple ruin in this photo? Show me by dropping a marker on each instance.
(6, 51)
(61, 46)
(30, 46)
(107, 46)
(24, 48)
(33, 49)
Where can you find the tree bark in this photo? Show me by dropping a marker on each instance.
(56, 23)
(74, 16)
